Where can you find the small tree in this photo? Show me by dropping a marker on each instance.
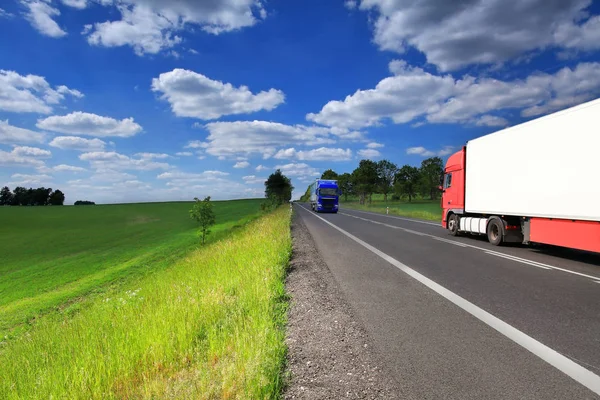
(407, 180)
(386, 172)
(202, 212)
(6, 196)
(345, 184)
(57, 198)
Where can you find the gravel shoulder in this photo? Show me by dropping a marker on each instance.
(330, 355)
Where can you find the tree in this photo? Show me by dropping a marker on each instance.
(40, 196)
(345, 184)
(84, 203)
(329, 174)
(19, 196)
(364, 179)
(202, 212)
(6, 196)
(431, 170)
(278, 188)
(386, 172)
(56, 198)
(406, 182)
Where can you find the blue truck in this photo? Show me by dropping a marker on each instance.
(324, 195)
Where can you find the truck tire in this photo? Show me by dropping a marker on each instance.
(495, 231)
(453, 224)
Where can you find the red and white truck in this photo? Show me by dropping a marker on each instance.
(537, 182)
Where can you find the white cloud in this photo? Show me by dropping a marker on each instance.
(194, 95)
(116, 161)
(40, 15)
(368, 153)
(350, 4)
(26, 179)
(299, 170)
(184, 154)
(412, 93)
(13, 135)
(253, 180)
(261, 168)
(77, 143)
(480, 31)
(68, 168)
(30, 93)
(491, 120)
(244, 138)
(195, 144)
(26, 151)
(5, 14)
(79, 4)
(422, 151)
(374, 145)
(11, 159)
(108, 174)
(80, 123)
(241, 164)
(320, 154)
(150, 156)
(150, 26)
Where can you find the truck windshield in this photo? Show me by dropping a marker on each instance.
(327, 192)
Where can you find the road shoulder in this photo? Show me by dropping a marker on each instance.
(330, 355)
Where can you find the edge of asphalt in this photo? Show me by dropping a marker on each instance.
(330, 355)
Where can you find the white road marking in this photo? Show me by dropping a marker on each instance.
(515, 258)
(552, 357)
(391, 216)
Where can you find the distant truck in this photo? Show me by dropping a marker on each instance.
(324, 195)
(532, 183)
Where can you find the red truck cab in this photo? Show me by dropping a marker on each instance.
(453, 186)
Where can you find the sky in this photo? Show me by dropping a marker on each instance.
(155, 100)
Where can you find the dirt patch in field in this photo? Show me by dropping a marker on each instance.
(330, 355)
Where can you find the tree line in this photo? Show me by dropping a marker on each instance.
(387, 178)
(31, 197)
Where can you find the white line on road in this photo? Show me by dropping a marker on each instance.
(515, 258)
(391, 216)
(552, 357)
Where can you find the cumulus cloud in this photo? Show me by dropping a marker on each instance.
(261, 168)
(77, 143)
(116, 161)
(414, 93)
(374, 145)
(26, 151)
(81, 123)
(368, 153)
(27, 179)
(79, 4)
(150, 156)
(5, 14)
(299, 170)
(12, 159)
(241, 164)
(68, 168)
(40, 15)
(13, 135)
(30, 93)
(245, 138)
(453, 35)
(150, 26)
(253, 180)
(191, 94)
(184, 154)
(320, 154)
(422, 151)
(491, 120)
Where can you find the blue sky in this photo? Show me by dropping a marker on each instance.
(154, 100)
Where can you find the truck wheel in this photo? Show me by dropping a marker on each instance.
(453, 225)
(494, 231)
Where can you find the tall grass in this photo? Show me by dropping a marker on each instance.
(209, 327)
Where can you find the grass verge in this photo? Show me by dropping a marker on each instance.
(421, 209)
(211, 326)
(57, 255)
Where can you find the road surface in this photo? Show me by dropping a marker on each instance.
(459, 318)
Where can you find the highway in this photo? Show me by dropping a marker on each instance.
(455, 317)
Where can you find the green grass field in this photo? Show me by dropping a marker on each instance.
(209, 326)
(418, 208)
(53, 255)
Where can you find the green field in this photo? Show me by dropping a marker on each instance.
(418, 208)
(53, 255)
(211, 325)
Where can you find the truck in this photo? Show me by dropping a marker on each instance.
(531, 183)
(324, 195)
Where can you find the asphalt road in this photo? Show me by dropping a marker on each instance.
(459, 318)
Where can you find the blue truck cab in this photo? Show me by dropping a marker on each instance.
(324, 195)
